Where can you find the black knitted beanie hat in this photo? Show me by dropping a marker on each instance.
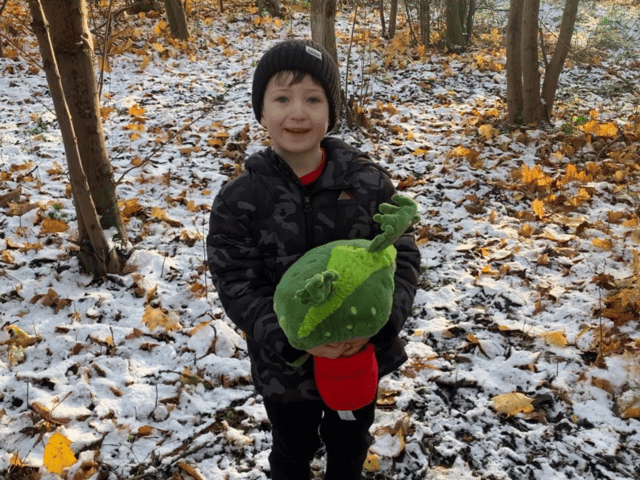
(302, 55)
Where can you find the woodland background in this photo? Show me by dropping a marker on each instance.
(523, 340)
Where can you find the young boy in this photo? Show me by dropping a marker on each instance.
(305, 190)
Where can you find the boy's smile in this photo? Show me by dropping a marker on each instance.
(296, 117)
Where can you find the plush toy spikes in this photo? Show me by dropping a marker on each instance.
(318, 288)
(394, 222)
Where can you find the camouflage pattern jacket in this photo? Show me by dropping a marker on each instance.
(264, 220)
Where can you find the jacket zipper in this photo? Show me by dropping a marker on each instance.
(307, 208)
(307, 205)
(307, 221)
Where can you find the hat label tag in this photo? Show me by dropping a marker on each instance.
(346, 415)
(314, 52)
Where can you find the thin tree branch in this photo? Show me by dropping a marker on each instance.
(105, 45)
(26, 55)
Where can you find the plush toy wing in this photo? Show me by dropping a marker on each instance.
(395, 221)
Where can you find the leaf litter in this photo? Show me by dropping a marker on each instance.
(524, 338)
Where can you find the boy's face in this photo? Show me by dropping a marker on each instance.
(296, 116)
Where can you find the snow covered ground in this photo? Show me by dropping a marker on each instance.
(508, 299)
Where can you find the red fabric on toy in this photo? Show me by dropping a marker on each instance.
(348, 383)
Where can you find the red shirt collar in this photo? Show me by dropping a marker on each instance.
(313, 176)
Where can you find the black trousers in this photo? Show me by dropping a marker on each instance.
(298, 429)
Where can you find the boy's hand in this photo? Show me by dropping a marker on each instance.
(345, 348)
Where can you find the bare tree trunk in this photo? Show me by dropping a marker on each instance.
(469, 20)
(393, 18)
(382, 22)
(455, 34)
(97, 253)
(323, 29)
(177, 19)
(425, 22)
(71, 41)
(524, 100)
(552, 74)
(531, 101)
(3, 6)
(514, 67)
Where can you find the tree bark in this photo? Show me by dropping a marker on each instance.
(455, 34)
(99, 257)
(393, 18)
(382, 22)
(525, 102)
(323, 30)
(514, 67)
(531, 101)
(471, 12)
(177, 19)
(74, 57)
(552, 73)
(425, 22)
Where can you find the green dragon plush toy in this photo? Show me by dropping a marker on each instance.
(344, 289)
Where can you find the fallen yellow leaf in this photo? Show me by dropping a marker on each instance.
(538, 208)
(57, 454)
(604, 244)
(106, 111)
(488, 131)
(158, 213)
(131, 207)
(601, 129)
(512, 403)
(145, 430)
(136, 110)
(190, 470)
(156, 316)
(51, 225)
(19, 337)
(197, 328)
(160, 27)
(555, 339)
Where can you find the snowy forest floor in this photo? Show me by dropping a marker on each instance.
(529, 240)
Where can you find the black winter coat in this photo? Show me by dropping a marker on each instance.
(264, 220)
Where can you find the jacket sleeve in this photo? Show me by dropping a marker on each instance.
(406, 276)
(239, 276)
